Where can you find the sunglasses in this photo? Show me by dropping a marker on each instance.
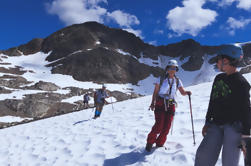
(172, 68)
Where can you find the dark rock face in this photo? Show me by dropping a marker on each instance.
(31, 47)
(13, 52)
(247, 53)
(84, 36)
(102, 65)
(186, 48)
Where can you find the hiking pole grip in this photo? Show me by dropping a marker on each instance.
(191, 113)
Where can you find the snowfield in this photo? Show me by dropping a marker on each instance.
(117, 138)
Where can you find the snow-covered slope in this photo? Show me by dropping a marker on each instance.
(117, 138)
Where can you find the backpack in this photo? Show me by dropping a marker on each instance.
(86, 97)
(96, 96)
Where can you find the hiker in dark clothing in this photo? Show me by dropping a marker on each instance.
(163, 105)
(86, 100)
(228, 116)
(99, 101)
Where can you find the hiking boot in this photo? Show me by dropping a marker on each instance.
(159, 146)
(95, 117)
(149, 147)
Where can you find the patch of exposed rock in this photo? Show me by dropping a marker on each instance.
(13, 52)
(17, 70)
(75, 91)
(4, 90)
(245, 70)
(13, 81)
(31, 47)
(46, 86)
(123, 96)
(33, 105)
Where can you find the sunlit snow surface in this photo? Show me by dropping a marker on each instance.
(118, 137)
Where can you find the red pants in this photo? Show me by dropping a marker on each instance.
(163, 121)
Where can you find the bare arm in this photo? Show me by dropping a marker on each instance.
(155, 94)
(183, 92)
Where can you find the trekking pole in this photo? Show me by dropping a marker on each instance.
(112, 105)
(173, 118)
(189, 96)
(92, 111)
(172, 126)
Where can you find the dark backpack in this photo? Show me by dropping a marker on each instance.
(95, 96)
(86, 97)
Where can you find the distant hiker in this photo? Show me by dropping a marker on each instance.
(228, 116)
(163, 104)
(99, 100)
(86, 100)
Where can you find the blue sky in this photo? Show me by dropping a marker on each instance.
(158, 22)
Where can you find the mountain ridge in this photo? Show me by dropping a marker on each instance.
(67, 47)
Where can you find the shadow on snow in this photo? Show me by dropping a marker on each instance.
(81, 121)
(128, 158)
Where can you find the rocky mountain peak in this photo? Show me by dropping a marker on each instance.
(88, 36)
(92, 51)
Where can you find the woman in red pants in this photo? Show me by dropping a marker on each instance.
(163, 104)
